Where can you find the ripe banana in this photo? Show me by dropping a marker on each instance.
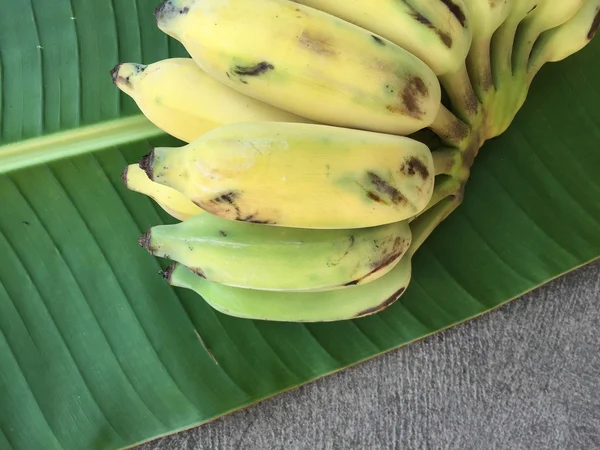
(437, 31)
(185, 102)
(173, 202)
(307, 62)
(255, 256)
(321, 306)
(299, 175)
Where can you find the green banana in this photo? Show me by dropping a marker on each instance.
(561, 42)
(308, 62)
(548, 14)
(552, 45)
(299, 175)
(322, 306)
(248, 255)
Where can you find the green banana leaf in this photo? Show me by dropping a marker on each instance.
(98, 352)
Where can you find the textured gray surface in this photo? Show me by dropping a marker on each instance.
(526, 376)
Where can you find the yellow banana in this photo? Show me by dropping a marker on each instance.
(299, 175)
(255, 256)
(173, 202)
(184, 101)
(437, 31)
(307, 62)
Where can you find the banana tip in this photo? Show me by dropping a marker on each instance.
(168, 272)
(124, 175)
(114, 73)
(146, 163)
(144, 240)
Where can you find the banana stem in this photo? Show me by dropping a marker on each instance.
(424, 225)
(462, 96)
(449, 128)
(445, 160)
(479, 66)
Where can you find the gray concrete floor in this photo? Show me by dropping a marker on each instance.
(526, 376)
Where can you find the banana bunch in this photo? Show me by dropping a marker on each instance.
(324, 141)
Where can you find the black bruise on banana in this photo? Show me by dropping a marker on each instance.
(595, 26)
(378, 40)
(253, 71)
(385, 189)
(414, 165)
(387, 302)
(399, 247)
(445, 37)
(456, 12)
(225, 205)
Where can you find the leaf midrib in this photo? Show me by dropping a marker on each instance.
(77, 141)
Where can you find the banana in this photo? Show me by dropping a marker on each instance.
(548, 14)
(307, 62)
(503, 41)
(299, 175)
(185, 102)
(173, 202)
(256, 256)
(486, 17)
(437, 31)
(322, 306)
(559, 43)
(552, 45)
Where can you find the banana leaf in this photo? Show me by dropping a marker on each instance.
(98, 352)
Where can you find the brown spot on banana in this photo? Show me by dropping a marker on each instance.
(318, 44)
(387, 302)
(414, 165)
(411, 95)
(385, 188)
